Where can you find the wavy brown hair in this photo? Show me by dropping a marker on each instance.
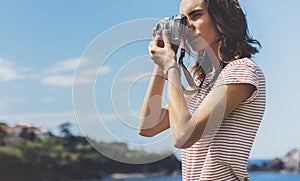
(234, 40)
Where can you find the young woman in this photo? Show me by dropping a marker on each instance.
(216, 126)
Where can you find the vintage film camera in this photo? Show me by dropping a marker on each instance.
(176, 26)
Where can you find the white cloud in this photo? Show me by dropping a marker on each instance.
(8, 72)
(58, 80)
(94, 71)
(62, 73)
(88, 76)
(64, 66)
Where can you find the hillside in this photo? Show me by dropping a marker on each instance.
(69, 157)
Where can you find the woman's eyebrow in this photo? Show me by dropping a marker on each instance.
(194, 12)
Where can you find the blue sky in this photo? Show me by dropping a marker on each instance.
(41, 43)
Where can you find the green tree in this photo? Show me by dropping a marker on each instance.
(65, 129)
(3, 134)
(27, 134)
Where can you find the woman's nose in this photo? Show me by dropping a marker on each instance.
(190, 25)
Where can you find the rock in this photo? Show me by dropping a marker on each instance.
(275, 165)
(288, 163)
(254, 168)
(292, 161)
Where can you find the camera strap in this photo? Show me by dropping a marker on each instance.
(219, 70)
(190, 78)
(187, 75)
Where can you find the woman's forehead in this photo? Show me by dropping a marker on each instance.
(187, 6)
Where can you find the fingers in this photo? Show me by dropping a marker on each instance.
(151, 50)
(165, 36)
(150, 47)
(166, 18)
(154, 32)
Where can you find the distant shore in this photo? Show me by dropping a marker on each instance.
(290, 163)
(143, 175)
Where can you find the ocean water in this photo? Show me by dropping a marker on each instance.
(254, 176)
(260, 176)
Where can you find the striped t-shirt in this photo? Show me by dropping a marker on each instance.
(222, 154)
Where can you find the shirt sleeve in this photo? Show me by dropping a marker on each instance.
(239, 73)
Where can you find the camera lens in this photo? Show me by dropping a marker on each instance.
(161, 26)
(158, 28)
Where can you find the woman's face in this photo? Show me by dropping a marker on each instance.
(200, 23)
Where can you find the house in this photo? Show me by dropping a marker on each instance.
(19, 128)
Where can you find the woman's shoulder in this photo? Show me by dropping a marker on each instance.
(243, 63)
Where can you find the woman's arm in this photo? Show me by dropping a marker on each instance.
(188, 128)
(153, 118)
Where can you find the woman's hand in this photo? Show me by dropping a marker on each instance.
(164, 56)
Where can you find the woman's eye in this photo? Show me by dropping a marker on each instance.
(197, 15)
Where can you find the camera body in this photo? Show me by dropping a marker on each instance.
(176, 26)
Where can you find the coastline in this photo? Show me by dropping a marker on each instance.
(290, 163)
(255, 166)
(257, 176)
(142, 175)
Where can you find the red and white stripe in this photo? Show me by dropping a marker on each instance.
(223, 153)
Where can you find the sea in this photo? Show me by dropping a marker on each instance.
(254, 176)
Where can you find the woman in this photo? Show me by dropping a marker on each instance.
(216, 126)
